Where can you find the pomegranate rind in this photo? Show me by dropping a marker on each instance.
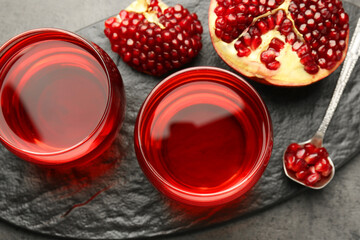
(153, 38)
(291, 72)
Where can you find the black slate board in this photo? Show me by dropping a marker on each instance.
(112, 198)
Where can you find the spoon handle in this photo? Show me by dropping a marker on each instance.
(349, 64)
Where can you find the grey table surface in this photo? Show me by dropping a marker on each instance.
(332, 213)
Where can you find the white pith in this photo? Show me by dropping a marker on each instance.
(290, 73)
(142, 6)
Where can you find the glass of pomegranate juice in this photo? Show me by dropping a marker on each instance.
(203, 136)
(62, 97)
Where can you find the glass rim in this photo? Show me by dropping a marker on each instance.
(262, 160)
(18, 38)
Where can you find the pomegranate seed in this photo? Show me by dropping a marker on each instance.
(343, 34)
(303, 28)
(317, 17)
(325, 13)
(322, 152)
(332, 43)
(321, 4)
(238, 44)
(322, 50)
(262, 26)
(255, 43)
(304, 49)
(289, 160)
(254, 31)
(220, 10)
(241, 18)
(241, 8)
(328, 23)
(302, 7)
(333, 34)
(268, 56)
(330, 54)
(262, 9)
(315, 34)
(299, 165)
(312, 179)
(315, 44)
(292, 7)
(253, 10)
(311, 23)
(243, 51)
(297, 45)
(286, 26)
(322, 28)
(309, 14)
(306, 59)
(273, 65)
(310, 148)
(314, 55)
(300, 19)
(311, 68)
(322, 62)
(300, 153)
(231, 19)
(338, 55)
(246, 39)
(302, 174)
(279, 17)
(276, 44)
(312, 158)
(293, 147)
(341, 44)
(271, 22)
(313, 7)
(271, 3)
(290, 38)
(322, 165)
(327, 172)
(345, 26)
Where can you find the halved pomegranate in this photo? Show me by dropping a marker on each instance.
(154, 38)
(280, 42)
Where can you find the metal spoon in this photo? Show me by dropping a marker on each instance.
(317, 140)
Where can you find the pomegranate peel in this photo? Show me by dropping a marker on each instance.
(154, 38)
(308, 30)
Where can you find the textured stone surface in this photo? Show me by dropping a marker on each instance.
(128, 208)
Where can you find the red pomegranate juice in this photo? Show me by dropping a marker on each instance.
(202, 135)
(54, 94)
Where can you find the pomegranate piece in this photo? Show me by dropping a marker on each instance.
(154, 38)
(307, 162)
(317, 31)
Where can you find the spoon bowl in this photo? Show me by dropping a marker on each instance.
(319, 185)
(317, 140)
